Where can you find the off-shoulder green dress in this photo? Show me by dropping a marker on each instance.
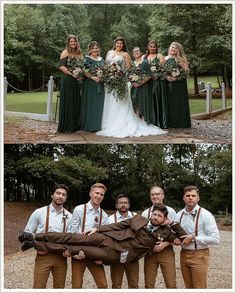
(69, 108)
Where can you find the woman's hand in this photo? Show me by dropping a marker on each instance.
(97, 79)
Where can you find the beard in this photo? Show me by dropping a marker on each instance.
(58, 202)
(123, 210)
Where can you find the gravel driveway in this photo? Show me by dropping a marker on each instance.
(18, 269)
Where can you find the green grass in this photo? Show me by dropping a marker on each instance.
(29, 102)
(37, 103)
(206, 79)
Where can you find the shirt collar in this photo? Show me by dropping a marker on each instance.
(119, 216)
(52, 209)
(90, 207)
(193, 212)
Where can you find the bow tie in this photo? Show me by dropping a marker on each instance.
(150, 228)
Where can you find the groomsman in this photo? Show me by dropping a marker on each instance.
(89, 215)
(131, 269)
(201, 224)
(51, 218)
(163, 254)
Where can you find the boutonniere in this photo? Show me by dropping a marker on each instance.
(194, 213)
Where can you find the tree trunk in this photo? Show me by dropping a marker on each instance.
(196, 91)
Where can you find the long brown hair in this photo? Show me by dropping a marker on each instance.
(147, 50)
(75, 52)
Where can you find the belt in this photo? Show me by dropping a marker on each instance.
(194, 250)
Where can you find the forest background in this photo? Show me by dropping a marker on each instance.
(31, 170)
(35, 35)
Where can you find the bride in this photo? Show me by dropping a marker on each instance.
(119, 119)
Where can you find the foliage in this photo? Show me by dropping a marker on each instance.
(30, 171)
(32, 48)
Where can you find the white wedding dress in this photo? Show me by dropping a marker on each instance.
(119, 119)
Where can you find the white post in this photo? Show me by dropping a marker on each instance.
(209, 98)
(50, 98)
(224, 103)
(5, 93)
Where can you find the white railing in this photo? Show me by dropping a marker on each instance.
(48, 116)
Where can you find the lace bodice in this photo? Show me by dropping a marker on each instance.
(117, 59)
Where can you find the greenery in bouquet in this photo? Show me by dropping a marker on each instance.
(158, 70)
(98, 71)
(137, 74)
(76, 67)
(175, 71)
(115, 79)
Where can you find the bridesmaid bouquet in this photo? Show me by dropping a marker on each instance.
(96, 71)
(136, 74)
(115, 79)
(158, 70)
(76, 67)
(175, 71)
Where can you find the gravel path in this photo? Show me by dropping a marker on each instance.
(18, 269)
(216, 130)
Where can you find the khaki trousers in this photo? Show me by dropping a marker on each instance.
(194, 267)
(50, 262)
(166, 260)
(97, 271)
(132, 273)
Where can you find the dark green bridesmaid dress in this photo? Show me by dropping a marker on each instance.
(141, 96)
(92, 99)
(178, 103)
(159, 96)
(69, 109)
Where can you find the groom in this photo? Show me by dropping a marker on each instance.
(124, 242)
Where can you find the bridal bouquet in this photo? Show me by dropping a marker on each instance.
(115, 79)
(76, 67)
(175, 71)
(96, 71)
(158, 70)
(136, 74)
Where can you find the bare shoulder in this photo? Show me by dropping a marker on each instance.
(64, 54)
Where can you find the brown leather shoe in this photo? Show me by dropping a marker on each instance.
(23, 236)
(27, 245)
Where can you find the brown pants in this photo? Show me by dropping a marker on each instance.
(166, 260)
(194, 267)
(97, 271)
(132, 273)
(50, 262)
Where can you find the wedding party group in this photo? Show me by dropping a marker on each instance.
(92, 239)
(123, 96)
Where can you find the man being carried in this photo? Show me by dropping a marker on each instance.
(125, 241)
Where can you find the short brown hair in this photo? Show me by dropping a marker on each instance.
(60, 186)
(98, 185)
(121, 196)
(190, 188)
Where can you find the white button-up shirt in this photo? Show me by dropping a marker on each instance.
(208, 232)
(119, 217)
(171, 213)
(37, 220)
(92, 217)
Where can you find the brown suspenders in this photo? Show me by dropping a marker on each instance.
(149, 213)
(47, 220)
(84, 218)
(196, 225)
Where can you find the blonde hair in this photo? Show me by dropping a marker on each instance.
(77, 51)
(162, 191)
(98, 185)
(181, 57)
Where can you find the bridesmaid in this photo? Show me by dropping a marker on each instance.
(178, 103)
(140, 92)
(158, 87)
(93, 90)
(69, 109)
